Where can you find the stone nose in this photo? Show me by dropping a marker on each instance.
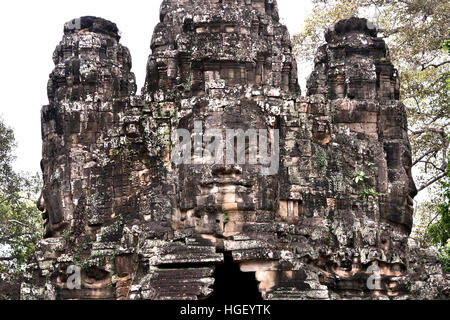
(41, 205)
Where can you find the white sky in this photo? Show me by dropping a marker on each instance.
(32, 29)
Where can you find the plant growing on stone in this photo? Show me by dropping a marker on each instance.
(369, 193)
(359, 177)
(371, 166)
(124, 148)
(78, 259)
(322, 159)
(226, 217)
(444, 257)
(186, 85)
(66, 234)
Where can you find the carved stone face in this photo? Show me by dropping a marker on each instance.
(92, 69)
(220, 197)
(305, 228)
(55, 204)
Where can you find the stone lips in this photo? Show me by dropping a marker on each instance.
(142, 228)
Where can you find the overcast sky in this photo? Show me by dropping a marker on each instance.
(32, 29)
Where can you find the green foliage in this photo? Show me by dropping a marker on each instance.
(325, 13)
(439, 232)
(21, 229)
(186, 85)
(322, 159)
(226, 218)
(444, 257)
(446, 45)
(21, 225)
(80, 257)
(124, 149)
(423, 219)
(66, 234)
(359, 177)
(371, 166)
(119, 220)
(369, 193)
(8, 177)
(432, 219)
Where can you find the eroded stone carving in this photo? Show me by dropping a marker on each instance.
(142, 227)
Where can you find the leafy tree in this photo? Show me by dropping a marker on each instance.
(418, 35)
(7, 175)
(439, 232)
(444, 256)
(432, 225)
(325, 13)
(20, 220)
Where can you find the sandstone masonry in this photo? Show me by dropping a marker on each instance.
(141, 227)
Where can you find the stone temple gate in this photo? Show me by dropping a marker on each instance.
(136, 226)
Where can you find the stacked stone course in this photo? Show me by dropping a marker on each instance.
(142, 227)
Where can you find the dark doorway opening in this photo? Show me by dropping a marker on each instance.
(233, 285)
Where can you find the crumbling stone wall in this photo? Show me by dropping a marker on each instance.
(143, 227)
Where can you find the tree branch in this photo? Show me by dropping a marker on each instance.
(388, 33)
(431, 222)
(6, 258)
(430, 163)
(433, 151)
(435, 65)
(417, 133)
(430, 182)
(21, 224)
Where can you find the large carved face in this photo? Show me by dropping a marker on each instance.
(220, 197)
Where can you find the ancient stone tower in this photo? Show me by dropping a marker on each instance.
(137, 225)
